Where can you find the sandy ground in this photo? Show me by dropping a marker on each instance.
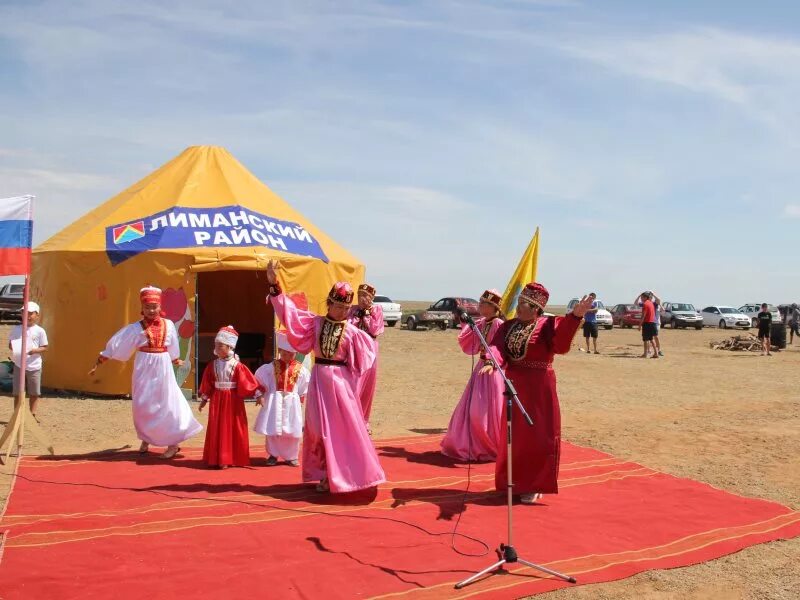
(729, 419)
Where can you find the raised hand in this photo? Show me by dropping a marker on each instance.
(272, 272)
(581, 307)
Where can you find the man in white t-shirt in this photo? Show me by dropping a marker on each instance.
(36, 346)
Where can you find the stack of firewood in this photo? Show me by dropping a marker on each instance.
(738, 343)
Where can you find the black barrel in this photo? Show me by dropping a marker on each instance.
(777, 336)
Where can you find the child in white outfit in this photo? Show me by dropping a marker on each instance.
(36, 346)
(285, 381)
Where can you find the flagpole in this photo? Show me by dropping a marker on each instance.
(15, 429)
(23, 354)
(26, 297)
(23, 366)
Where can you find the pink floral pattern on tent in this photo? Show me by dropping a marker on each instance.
(176, 308)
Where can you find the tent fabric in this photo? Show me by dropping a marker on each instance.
(86, 294)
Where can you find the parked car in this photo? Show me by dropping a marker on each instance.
(724, 317)
(752, 310)
(432, 317)
(11, 296)
(626, 315)
(392, 311)
(455, 305)
(681, 315)
(604, 318)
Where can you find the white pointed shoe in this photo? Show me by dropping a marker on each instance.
(529, 498)
(171, 452)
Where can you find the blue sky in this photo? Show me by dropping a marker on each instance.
(656, 144)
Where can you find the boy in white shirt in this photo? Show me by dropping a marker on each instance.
(37, 345)
(285, 382)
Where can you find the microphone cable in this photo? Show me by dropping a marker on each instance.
(470, 390)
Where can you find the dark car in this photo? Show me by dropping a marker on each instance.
(626, 315)
(11, 296)
(455, 305)
(429, 318)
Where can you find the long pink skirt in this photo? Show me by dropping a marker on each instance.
(367, 387)
(336, 444)
(475, 431)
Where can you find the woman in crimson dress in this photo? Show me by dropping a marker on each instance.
(527, 345)
(225, 385)
(476, 427)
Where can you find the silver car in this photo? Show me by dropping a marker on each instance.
(681, 315)
(724, 317)
(752, 310)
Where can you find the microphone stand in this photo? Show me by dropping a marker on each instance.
(506, 552)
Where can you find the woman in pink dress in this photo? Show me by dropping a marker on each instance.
(475, 429)
(337, 450)
(527, 345)
(367, 317)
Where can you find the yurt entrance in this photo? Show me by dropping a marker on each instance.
(235, 298)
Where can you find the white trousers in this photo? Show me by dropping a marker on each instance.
(283, 446)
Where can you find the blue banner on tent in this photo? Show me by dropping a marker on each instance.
(221, 227)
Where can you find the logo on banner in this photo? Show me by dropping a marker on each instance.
(222, 227)
(129, 232)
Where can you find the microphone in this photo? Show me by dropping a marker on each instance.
(464, 317)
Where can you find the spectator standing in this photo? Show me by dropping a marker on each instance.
(764, 329)
(590, 329)
(794, 322)
(36, 346)
(657, 306)
(648, 325)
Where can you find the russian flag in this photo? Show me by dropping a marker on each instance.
(16, 233)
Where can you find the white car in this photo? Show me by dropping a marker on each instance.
(392, 312)
(604, 318)
(724, 317)
(752, 310)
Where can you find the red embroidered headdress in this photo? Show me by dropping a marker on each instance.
(150, 295)
(367, 289)
(341, 293)
(536, 294)
(492, 297)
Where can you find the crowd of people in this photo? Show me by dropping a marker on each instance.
(650, 324)
(338, 455)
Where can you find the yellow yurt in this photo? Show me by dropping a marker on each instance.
(202, 228)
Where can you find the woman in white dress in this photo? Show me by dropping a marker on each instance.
(281, 417)
(161, 414)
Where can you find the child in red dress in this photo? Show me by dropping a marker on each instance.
(225, 385)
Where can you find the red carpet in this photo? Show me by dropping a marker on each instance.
(125, 527)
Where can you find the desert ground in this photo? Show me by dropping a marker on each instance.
(729, 419)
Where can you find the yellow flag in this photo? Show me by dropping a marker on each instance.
(524, 274)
